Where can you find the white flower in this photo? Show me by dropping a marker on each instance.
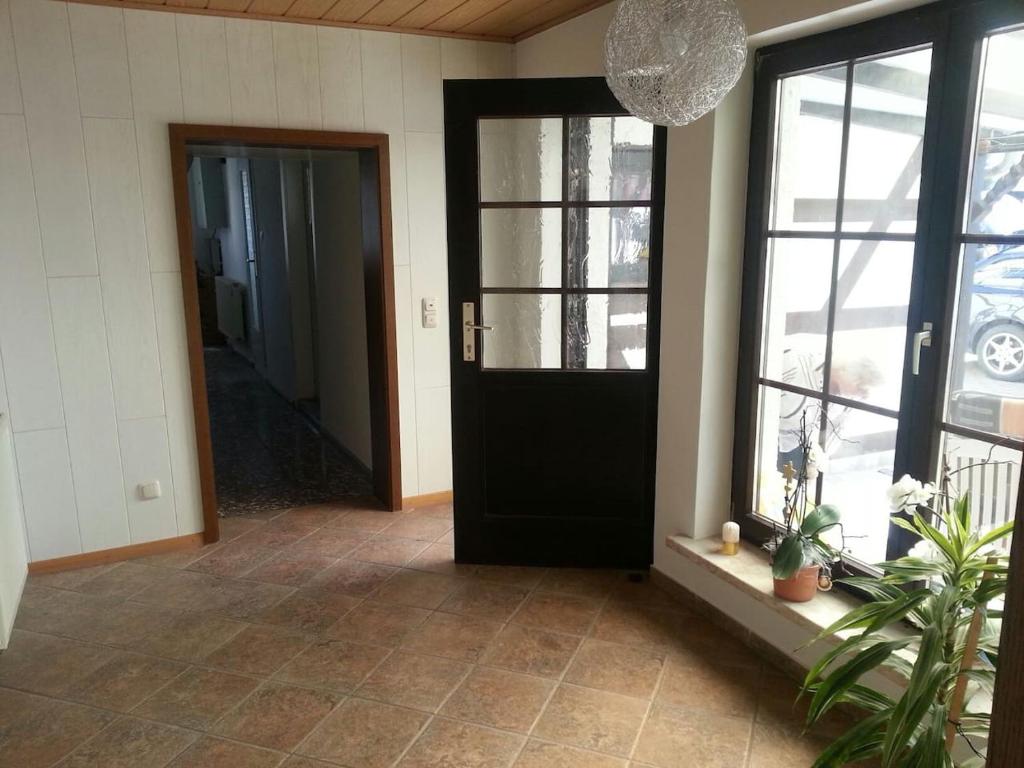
(925, 550)
(908, 494)
(817, 461)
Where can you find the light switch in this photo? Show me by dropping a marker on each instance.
(429, 304)
(150, 490)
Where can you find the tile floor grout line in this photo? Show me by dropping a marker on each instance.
(749, 756)
(432, 717)
(650, 707)
(188, 668)
(561, 678)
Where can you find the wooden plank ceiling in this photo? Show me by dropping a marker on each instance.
(499, 20)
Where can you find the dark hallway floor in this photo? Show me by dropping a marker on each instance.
(266, 454)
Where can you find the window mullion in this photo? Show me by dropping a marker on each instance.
(826, 378)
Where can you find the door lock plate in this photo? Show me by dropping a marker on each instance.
(468, 331)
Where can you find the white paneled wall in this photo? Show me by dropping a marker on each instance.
(92, 339)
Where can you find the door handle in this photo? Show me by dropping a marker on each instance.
(469, 329)
(922, 338)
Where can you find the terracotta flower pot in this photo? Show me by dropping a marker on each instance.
(800, 587)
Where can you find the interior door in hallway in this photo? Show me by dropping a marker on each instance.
(555, 209)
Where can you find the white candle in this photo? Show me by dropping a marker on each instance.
(731, 538)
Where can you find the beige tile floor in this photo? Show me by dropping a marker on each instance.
(346, 636)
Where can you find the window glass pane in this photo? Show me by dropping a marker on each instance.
(610, 158)
(527, 330)
(779, 418)
(873, 291)
(609, 247)
(986, 374)
(996, 200)
(799, 276)
(607, 331)
(989, 473)
(520, 159)
(521, 247)
(861, 448)
(883, 169)
(808, 150)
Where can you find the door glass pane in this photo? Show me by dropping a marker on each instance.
(527, 330)
(609, 247)
(799, 278)
(521, 247)
(883, 169)
(861, 448)
(997, 188)
(986, 375)
(610, 158)
(989, 473)
(520, 159)
(808, 150)
(873, 291)
(606, 331)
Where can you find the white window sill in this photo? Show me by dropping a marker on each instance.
(750, 572)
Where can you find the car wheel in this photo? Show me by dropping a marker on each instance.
(1001, 352)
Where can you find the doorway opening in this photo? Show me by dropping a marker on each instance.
(287, 276)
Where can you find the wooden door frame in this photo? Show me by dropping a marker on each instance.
(378, 278)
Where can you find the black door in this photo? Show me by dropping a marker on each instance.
(555, 210)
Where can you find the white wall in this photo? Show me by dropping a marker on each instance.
(341, 303)
(13, 552)
(91, 314)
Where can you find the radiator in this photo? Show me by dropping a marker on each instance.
(231, 308)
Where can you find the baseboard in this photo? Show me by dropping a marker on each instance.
(104, 556)
(427, 499)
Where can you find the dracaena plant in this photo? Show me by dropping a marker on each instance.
(952, 572)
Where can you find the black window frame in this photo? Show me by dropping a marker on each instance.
(952, 28)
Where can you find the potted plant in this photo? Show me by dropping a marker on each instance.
(801, 559)
(943, 589)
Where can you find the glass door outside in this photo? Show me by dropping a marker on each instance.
(840, 270)
(982, 417)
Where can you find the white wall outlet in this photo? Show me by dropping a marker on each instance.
(150, 490)
(429, 304)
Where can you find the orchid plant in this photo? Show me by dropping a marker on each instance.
(800, 542)
(947, 582)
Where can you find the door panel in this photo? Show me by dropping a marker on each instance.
(555, 211)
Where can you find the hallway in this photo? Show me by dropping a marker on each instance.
(267, 455)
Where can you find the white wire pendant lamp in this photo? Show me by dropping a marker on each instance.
(670, 62)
